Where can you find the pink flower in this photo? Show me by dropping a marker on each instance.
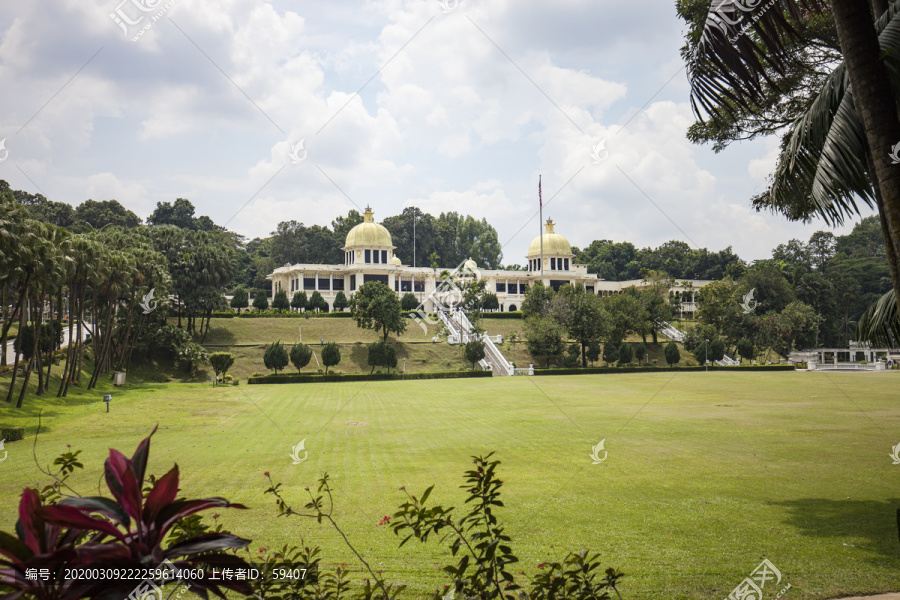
(384, 519)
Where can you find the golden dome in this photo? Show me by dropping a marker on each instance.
(470, 265)
(553, 243)
(396, 261)
(369, 233)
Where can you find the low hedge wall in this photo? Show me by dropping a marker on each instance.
(514, 314)
(595, 370)
(266, 314)
(315, 378)
(12, 434)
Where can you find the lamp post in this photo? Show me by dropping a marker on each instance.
(107, 398)
(706, 355)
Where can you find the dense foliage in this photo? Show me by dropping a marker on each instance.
(136, 528)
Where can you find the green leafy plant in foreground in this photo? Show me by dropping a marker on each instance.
(481, 548)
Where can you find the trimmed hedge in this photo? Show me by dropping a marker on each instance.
(514, 314)
(12, 434)
(316, 378)
(271, 314)
(603, 370)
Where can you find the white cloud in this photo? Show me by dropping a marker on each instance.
(461, 115)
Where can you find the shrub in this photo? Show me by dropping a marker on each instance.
(409, 301)
(745, 349)
(221, 362)
(490, 302)
(625, 354)
(474, 351)
(240, 299)
(319, 376)
(610, 352)
(280, 301)
(12, 434)
(673, 355)
(131, 530)
(300, 355)
(331, 355)
(593, 352)
(340, 301)
(381, 354)
(640, 351)
(275, 357)
(191, 355)
(317, 303)
(656, 369)
(261, 301)
(483, 564)
(573, 356)
(299, 301)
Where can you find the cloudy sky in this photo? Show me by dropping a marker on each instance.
(447, 106)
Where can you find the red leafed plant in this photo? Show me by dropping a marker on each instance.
(127, 531)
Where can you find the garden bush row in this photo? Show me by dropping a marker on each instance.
(315, 378)
(279, 314)
(595, 370)
(515, 314)
(12, 434)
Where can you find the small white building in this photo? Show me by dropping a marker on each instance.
(369, 256)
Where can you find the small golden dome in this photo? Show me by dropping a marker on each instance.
(470, 265)
(554, 243)
(396, 261)
(369, 233)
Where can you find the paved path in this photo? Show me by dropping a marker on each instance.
(891, 596)
(10, 352)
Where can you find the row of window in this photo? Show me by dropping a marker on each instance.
(408, 286)
(371, 256)
(309, 283)
(556, 264)
(512, 288)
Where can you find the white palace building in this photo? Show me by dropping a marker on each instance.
(369, 256)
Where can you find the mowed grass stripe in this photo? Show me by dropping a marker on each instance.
(713, 473)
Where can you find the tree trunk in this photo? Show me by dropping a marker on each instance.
(5, 319)
(879, 7)
(36, 348)
(22, 313)
(70, 349)
(81, 327)
(874, 101)
(39, 357)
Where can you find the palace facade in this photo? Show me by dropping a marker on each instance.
(369, 256)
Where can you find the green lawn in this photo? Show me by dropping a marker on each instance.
(707, 473)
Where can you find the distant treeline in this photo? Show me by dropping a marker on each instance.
(852, 266)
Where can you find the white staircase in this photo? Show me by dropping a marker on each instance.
(670, 332)
(460, 329)
(727, 361)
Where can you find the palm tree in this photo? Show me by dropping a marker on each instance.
(842, 145)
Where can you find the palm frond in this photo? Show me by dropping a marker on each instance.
(823, 168)
(880, 324)
(727, 68)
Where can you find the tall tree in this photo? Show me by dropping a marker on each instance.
(376, 306)
(726, 72)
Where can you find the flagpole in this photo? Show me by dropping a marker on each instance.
(541, 227)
